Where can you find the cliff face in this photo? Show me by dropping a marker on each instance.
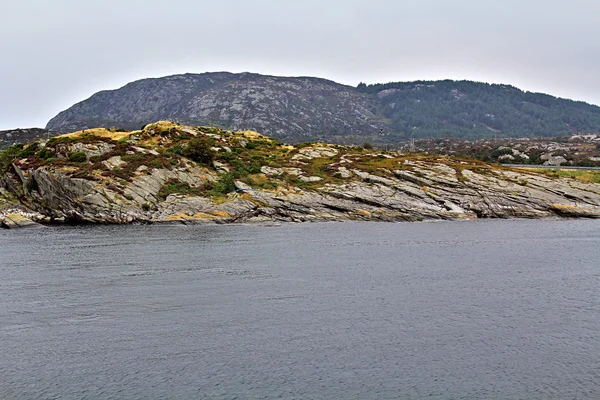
(305, 109)
(169, 172)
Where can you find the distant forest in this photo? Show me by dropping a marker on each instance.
(470, 109)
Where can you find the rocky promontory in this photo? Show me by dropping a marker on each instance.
(168, 172)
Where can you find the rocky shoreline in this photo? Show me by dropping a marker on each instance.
(152, 176)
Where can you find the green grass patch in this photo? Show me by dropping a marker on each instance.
(584, 176)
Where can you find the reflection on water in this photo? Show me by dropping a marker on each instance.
(477, 310)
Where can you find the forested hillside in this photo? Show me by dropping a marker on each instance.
(478, 110)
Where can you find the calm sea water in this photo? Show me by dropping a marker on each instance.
(448, 310)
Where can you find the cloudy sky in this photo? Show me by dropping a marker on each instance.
(56, 53)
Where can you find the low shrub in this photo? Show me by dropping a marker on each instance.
(223, 186)
(7, 156)
(174, 186)
(78, 156)
(227, 157)
(199, 150)
(176, 150)
(29, 151)
(45, 153)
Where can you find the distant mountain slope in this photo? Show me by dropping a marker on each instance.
(10, 137)
(475, 110)
(307, 109)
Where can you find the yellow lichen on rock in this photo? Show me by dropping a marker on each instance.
(101, 132)
(563, 206)
(221, 214)
(177, 217)
(255, 135)
(16, 218)
(199, 216)
(202, 215)
(163, 126)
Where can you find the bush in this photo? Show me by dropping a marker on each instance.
(367, 145)
(199, 150)
(45, 153)
(500, 152)
(223, 186)
(227, 157)
(7, 156)
(176, 150)
(255, 168)
(78, 156)
(30, 150)
(173, 186)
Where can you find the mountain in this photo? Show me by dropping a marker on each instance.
(168, 172)
(293, 109)
(309, 109)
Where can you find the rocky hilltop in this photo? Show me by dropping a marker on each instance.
(291, 109)
(304, 109)
(168, 172)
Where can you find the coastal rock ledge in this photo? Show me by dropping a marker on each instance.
(167, 172)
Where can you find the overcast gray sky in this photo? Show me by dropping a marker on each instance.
(58, 52)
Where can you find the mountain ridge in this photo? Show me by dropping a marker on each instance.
(301, 109)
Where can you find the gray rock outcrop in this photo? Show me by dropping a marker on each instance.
(435, 193)
(140, 183)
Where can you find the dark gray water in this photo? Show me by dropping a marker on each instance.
(452, 310)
